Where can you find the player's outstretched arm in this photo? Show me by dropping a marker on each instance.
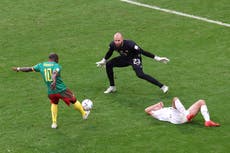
(155, 57)
(22, 69)
(101, 63)
(161, 59)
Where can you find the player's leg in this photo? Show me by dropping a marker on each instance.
(54, 99)
(195, 108)
(77, 106)
(115, 62)
(154, 107)
(68, 97)
(137, 67)
(176, 103)
(201, 106)
(54, 112)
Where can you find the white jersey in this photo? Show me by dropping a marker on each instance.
(171, 115)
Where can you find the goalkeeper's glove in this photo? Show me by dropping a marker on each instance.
(161, 59)
(101, 63)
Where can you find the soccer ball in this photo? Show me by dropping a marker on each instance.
(87, 104)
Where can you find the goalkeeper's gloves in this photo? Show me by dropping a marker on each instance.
(162, 59)
(101, 63)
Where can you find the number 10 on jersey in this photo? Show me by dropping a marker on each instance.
(48, 74)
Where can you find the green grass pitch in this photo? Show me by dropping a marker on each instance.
(80, 31)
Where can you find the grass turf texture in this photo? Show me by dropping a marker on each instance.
(79, 31)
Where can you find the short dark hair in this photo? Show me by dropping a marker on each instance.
(54, 57)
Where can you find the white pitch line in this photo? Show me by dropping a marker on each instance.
(177, 13)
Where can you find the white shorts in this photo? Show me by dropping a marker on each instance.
(171, 115)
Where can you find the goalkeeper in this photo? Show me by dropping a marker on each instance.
(130, 54)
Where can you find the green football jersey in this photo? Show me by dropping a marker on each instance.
(46, 69)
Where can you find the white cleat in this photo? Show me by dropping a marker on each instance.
(110, 89)
(54, 126)
(165, 88)
(86, 115)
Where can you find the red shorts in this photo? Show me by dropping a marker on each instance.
(67, 96)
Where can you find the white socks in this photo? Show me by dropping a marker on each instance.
(204, 112)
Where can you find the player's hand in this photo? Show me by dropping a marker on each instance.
(101, 63)
(162, 59)
(16, 69)
(53, 85)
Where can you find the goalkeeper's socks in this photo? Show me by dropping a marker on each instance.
(54, 112)
(79, 107)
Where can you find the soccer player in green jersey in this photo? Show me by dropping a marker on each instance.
(51, 74)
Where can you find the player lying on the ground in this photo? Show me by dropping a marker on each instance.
(177, 114)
